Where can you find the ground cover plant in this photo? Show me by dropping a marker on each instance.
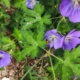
(43, 36)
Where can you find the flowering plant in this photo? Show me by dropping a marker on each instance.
(43, 34)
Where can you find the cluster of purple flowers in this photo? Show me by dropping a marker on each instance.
(70, 41)
(70, 9)
(5, 59)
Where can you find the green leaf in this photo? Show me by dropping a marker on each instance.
(6, 3)
(19, 55)
(21, 4)
(46, 19)
(39, 8)
(65, 73)
(30, 51)
(29, 38)
(7, 43)
(70, 66)
(70, 59)
(17, 34)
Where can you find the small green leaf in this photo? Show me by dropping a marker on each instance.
(46, 19)
(6, 3)
(39, 8)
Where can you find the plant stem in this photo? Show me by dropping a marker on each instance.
(57, 58)
(56, 17)
(52, 54)
(59, 23)
(32, 67)
(52, 68)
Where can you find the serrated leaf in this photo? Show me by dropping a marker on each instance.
(69, 60)
(6, 3)
(65, 73)
(29, 38)
(39, 8)
(29, 50)
(17, 34)
(7, 43)
(46, 19)
(21, 4)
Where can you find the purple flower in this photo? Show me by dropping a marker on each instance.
(54, 38)
(4, 59)
(71, 9)
(30, 3)
(71, 40)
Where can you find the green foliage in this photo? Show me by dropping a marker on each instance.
(70, 65)
(39, 8)
(72, 59)
(21, 4)
(33, 39)
(31, 75)
(29, 44)
(6, 3)
(26, 36)
(7, 43)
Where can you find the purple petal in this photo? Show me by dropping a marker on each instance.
(64, 47)
(62, 41)
(5, 59)
(71, 31)
(75, 15)
(53, 31)
(75, 41)
(71, 44)
(50, 32)
(5, 62)
(67, 45)
(51, 44)
(57, 44)
(30, 4)
(76, 34)
(66, 8)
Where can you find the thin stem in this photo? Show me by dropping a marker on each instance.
(32, 67)
(59, 23)
(66, 23)
(57, 58)
(56, 17)
(52, 68)
(52, 54)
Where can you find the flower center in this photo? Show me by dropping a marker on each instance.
(1, 56)
(33, 1)
(67, 39)
(52, 38)
(76, 3)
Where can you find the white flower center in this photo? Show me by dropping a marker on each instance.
(33, 1)
(76, 3)
(1, 56)
(67, 39)
(53, 37)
